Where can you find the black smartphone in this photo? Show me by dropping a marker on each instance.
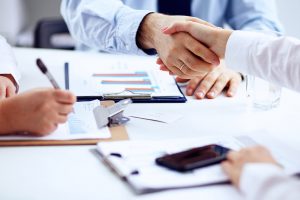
(194, 158)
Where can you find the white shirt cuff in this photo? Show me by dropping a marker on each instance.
(257, 177)
(239, 48)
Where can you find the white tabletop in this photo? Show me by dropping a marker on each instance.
(75, 172)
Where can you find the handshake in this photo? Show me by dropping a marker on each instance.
(213, 39)
(192, 50)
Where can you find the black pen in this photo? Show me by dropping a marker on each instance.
(45, 71)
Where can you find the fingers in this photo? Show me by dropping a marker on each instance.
(184, 73)
(64, 97)
(233, 156)
(232, 171)
(203, 52)
(181, 80)
(192, 86)
(194, 66)
(206, 84)
(233, 87)
(159, 61)
(218, 87)
(200, 21)
(227, 167)
(64, 109)
(197, 30)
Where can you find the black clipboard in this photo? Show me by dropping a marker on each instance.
(171, 99)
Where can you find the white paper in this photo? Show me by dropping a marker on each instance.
(167, 118)
(139, 75)
(81, 125)
(141, 155)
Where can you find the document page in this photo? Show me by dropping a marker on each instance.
(137, 162)
(138, 75)
(139, 156)
(81, 125)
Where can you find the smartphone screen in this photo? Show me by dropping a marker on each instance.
(194, 158)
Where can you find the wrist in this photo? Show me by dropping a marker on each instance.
(222, 39)
(148, 30)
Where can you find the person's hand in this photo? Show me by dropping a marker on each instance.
(214, 38)
(38, 111)
(237, 160)
(7, 86)
(210, 84)
(182, 54)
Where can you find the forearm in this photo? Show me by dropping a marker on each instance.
(103, 25)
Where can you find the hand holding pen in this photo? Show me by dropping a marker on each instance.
(45, 71)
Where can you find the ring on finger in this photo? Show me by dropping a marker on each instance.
(182, 66)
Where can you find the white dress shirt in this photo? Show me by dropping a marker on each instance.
(277, 60)
(8, 64)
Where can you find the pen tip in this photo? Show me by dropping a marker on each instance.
(41, 65)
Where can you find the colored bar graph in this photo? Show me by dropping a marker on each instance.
(136, 74)
(125, 82)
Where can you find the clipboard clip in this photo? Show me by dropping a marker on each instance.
(112, 115)
(127, 94)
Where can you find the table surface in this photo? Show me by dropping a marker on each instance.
(76, 172)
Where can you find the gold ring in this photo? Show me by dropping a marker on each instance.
(182, 66)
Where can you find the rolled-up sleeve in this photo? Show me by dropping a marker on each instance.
(106, 25)
(8, 64)
(253, 15)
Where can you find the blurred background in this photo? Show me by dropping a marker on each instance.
(19, 26)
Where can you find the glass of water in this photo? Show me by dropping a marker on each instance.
(263, 94)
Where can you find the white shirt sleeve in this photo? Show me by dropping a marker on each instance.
(266, 181)
(276, 59)
(8, 64)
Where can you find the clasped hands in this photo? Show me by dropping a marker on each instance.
(210, 74)
(184, 50)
